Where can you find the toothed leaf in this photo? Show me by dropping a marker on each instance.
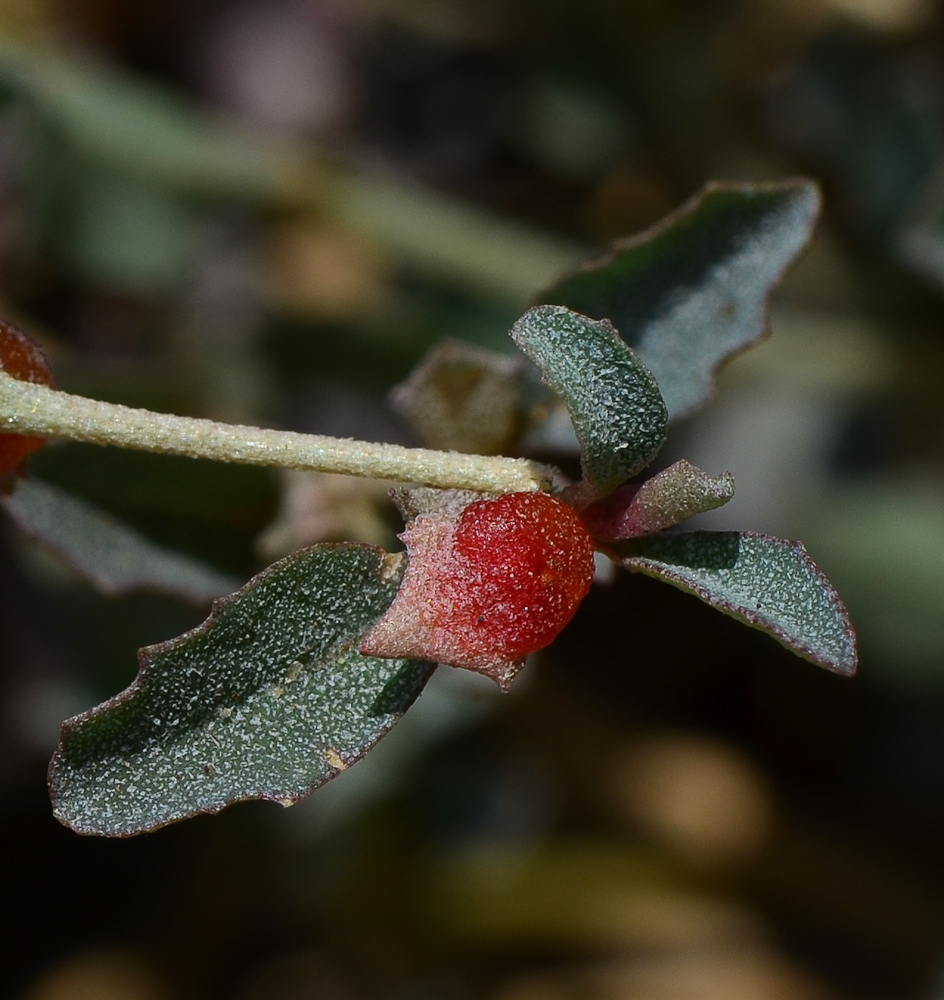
(267, 699)
(693, 290)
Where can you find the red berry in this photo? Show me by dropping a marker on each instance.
(22, 359)
(529, 563)
(484, 589)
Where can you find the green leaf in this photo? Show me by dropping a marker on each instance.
(267, 699)
(765, 582)
(145, 130)
(107, 553)
(692, 291)
(618, 413)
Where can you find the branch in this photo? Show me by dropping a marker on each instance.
(26, 408)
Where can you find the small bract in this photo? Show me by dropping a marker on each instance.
(487, 586)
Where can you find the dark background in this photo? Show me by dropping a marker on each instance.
(246, 211)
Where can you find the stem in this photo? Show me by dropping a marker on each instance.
(26, 408)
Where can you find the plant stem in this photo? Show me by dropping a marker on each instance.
(26, 408)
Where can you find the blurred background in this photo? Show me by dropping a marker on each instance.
(268, 212)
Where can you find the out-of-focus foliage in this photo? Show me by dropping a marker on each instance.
(112, 557)
(693, 291)
(418, 168)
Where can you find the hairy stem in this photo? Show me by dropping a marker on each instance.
(26, 408)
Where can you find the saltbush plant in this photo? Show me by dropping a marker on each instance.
(296, 675)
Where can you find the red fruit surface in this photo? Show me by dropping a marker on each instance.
(22, 359)
(484, 589)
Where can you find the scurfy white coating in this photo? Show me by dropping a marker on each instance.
(36, 409)
(455, 580)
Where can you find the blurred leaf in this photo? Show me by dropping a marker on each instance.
(165, 486)
(463, 398)
(457, 242)
(673, 495)
(107, 553)
(267, 699)
(153, 137)
(614, 402)
(145, 130)
(765, 582)
(212, 510)
(692, 291)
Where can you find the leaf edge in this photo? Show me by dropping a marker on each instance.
(217, 607)
(636, 564)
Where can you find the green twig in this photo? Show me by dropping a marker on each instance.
(26, 408)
